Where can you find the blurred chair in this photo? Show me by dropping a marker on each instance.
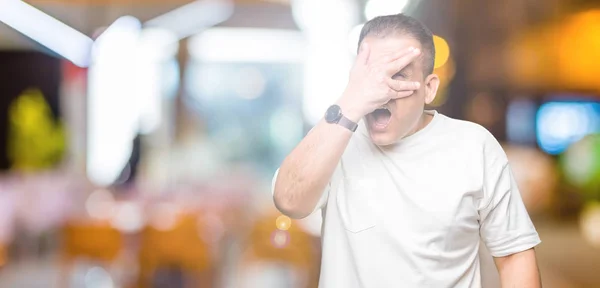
(91, 240)
(292, 247)
(179, 246)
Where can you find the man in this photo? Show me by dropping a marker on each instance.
(406, 194)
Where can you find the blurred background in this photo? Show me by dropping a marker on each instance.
(138, 138)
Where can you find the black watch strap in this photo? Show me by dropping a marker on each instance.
(334, 116)
(348, 123)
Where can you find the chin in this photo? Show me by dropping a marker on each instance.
(383, 138)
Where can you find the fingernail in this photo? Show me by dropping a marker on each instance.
(416, 51)
(417, 84)
(411, 49)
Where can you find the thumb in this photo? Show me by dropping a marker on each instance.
(363, 54)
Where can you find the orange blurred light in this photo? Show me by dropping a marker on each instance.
(579, 50)
(563, 55)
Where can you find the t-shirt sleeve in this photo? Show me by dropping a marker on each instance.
(322, 201)
(505, 225)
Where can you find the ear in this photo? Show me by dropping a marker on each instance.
(432, 83)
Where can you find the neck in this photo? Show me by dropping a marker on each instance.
(423, 121)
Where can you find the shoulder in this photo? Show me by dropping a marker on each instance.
(475, 136)
(464, 128)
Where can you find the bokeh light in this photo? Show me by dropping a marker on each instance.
(97, 277)
(128, 217)
(100, 204)
(559, 124)
(442, 51)
(520, 121)
(167, 98)
(280, 239)
(590, 224)
(164, 216)
(559, 55)
(283, 222)
(581, 164)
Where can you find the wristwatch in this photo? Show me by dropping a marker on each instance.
(334, 116)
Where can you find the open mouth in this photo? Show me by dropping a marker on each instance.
(381, 117)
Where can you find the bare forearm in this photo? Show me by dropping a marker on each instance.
(304, 174)
(519, 270)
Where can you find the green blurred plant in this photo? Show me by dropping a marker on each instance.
(581, 166)
(36, 141)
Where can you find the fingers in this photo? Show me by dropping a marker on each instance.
(399, 85)
(402, 61)
(401, 94)
(388, 58)
(401, 89)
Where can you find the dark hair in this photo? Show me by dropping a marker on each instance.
(401, 24)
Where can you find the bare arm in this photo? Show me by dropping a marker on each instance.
(305, 173)
(519, 270)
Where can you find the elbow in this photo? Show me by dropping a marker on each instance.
(288, 206)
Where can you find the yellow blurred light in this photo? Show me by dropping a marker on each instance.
(442, 51)
(590, 224)
(283, 222)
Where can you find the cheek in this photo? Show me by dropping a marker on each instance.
(409, 107)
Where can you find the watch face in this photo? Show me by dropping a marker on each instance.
(333, 114)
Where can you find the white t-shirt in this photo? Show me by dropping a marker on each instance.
(414, 216)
